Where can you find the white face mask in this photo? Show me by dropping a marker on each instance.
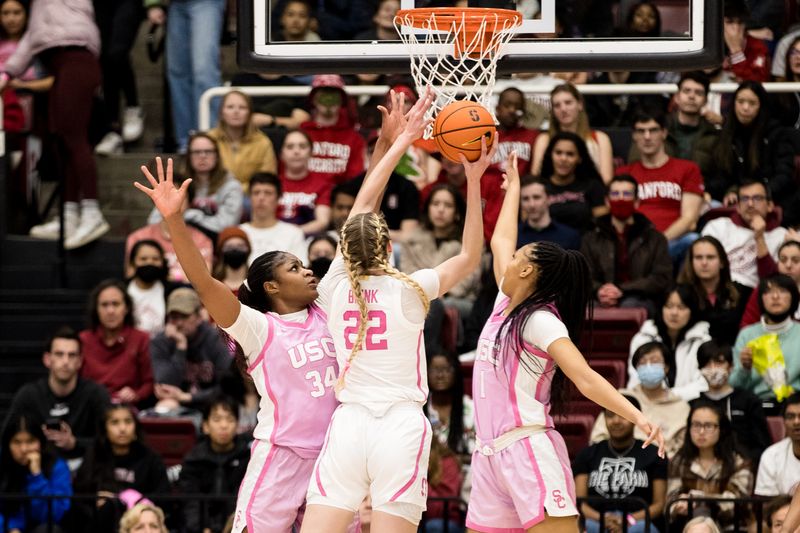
(715, 376)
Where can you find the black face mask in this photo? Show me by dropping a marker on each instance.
(151, 273)
(320, 266)
(235, 258)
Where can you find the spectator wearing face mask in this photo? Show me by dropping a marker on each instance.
(742, 407)
(148, 287)
(321, 251)
(659, 403)
(627, 255)
(230, 265)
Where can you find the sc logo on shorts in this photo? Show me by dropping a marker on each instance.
(424, 491)
(558, 499)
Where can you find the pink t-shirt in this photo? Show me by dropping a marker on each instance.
(506, 393)
(292, 361)
(661, 189)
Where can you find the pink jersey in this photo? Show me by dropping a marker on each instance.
(506, 393)
(293, 365)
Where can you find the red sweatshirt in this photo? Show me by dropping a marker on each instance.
(126, 363)
(339, 150)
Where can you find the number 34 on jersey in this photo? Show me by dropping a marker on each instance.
(309, 353)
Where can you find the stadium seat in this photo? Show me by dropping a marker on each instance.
(609, 335)
(614, 370)
(576, 429)
(450, 325)
(466, 369)
(776, 428)
(171, 438)
(582, 406)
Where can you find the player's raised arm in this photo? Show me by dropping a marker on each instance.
(458, 267)
(504, 238)
(218, 299)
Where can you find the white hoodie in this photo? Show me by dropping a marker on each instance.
(689, 382)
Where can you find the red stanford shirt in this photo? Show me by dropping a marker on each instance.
(661, 189)
(519, 139)
(300, 197)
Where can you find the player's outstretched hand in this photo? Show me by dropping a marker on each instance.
(475, 169)
(415, 118)
(167, 199)
(393, 120)
(511, 175)
(654, 435)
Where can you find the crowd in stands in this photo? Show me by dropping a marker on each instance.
(695, 221)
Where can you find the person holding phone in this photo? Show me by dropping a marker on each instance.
(66, 406)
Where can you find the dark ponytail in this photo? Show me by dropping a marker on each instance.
(252, 294)
(562, 280)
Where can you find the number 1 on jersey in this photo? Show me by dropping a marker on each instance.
(374, 338)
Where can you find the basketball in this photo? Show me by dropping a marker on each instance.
(460, 126)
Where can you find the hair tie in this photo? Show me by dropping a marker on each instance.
(246, 285)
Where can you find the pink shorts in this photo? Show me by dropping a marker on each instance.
(273, 492)
(512, 489)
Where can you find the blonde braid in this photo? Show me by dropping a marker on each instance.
(355, 270)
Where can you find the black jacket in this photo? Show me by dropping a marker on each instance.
(207, 472)
(650, 266)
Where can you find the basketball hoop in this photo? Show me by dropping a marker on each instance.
(456, 52)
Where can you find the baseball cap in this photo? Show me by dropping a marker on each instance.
(183, 300)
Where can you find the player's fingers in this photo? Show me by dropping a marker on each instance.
(185, 185)
(169, 170)
(148, 175)
(159, 169)
(147, 191)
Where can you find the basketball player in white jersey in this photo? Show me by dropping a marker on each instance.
(379, 438)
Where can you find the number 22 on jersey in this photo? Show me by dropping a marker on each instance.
(375, 337)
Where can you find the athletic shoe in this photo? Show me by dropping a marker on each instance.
(110, 145)
(49, 230)
(132, 124)
(91, 228)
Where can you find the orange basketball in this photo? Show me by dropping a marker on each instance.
(460, 126)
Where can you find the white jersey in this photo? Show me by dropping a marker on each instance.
(391, 367)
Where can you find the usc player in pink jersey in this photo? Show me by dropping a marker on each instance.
(379, 438)
(289, 353)
(521, 476)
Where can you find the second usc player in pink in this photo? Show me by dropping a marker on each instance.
(521, 476)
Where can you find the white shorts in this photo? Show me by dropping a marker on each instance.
(385, 457)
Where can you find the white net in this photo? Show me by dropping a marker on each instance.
(455, 52)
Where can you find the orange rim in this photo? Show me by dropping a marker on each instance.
(473, 17)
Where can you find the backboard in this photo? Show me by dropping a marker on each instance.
(691, 37)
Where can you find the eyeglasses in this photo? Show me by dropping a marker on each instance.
(643, 131)
(702, 427)
(756, 199)
(791, 416)
(205, 153)
(794, 53)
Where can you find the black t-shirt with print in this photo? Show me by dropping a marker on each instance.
(572, 204)
(613, 474)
